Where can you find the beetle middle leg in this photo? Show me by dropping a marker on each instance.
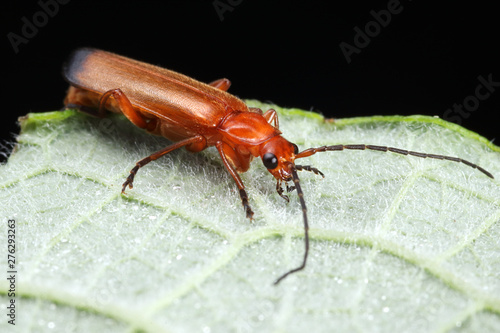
(158, 154)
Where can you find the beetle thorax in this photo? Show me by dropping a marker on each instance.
(248, 130)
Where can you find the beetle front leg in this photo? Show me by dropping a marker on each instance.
(243, 194)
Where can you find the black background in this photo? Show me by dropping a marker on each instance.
(427, 58)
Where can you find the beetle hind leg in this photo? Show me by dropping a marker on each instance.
(125, 106)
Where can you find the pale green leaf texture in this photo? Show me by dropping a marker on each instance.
(398, 243)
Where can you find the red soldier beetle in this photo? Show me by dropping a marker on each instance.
(196, 115)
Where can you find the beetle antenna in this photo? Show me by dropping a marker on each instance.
(312, 151)
(296, 181)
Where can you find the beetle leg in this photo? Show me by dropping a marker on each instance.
(222, 84)
(272, 116)
(158, 154)
(243, 194)
(125, 107)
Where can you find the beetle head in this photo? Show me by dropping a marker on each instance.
(278, 156)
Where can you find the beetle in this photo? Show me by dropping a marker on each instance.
(196, 115)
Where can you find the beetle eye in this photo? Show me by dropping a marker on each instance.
(270, 161)
(295, 149)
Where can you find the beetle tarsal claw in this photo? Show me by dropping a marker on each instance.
(129, 181)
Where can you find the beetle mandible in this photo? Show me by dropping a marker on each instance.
(196, 115)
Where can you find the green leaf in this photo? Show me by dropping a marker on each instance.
(398, 243)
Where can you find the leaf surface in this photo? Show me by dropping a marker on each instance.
(398, 243)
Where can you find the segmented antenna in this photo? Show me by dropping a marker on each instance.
(312, 151)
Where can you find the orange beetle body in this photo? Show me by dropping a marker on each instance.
(196, 115)
(171, 104)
